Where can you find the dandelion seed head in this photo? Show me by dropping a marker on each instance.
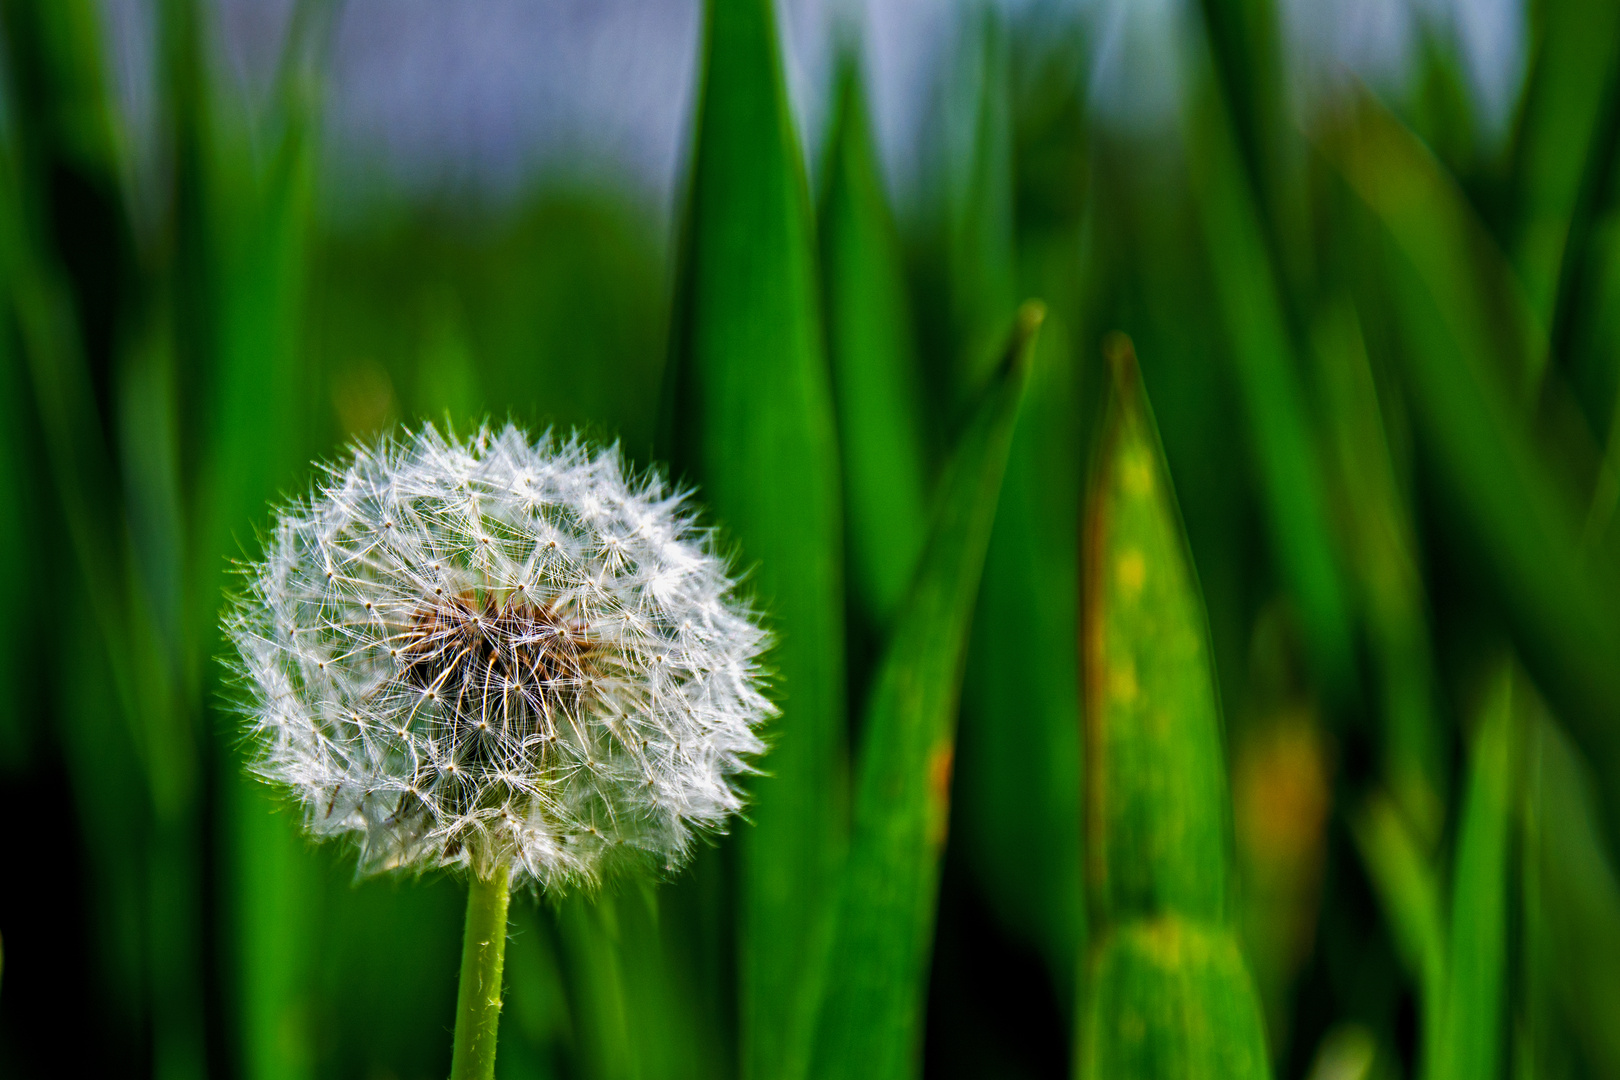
(495, 652)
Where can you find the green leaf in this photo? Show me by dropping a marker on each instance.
(1460, 962)
(1577, 895)
(1171, 999)
(871, 1021)
(751, 421)
(874, 367)
(1157, 813)
(1563, 144)
(1383, 555)
(1471, 1024)
(1248, 291)
(1018, 773)
(1409, 894)
(633, 1015)
(981, 256)
(244, 228)
(1167, 994)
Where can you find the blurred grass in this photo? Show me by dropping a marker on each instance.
(870, 1020)
(1381, 343)
(750, 418)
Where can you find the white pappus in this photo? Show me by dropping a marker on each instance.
(495, 653)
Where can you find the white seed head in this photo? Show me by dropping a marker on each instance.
(470, 654)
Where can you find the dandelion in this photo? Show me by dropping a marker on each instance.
(500, 657)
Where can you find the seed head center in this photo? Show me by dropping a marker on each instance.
(497, 664)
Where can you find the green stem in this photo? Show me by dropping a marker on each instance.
(483, 951)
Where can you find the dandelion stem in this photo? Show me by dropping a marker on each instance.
(483, 952)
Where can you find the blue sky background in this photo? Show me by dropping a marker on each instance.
(486, 96)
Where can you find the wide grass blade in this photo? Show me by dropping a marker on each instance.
(1432, 224)
(870, 1022)
(1171, 999)
(874, 367)
(751, 421)
(1016, 819)
(1157, 815)
(1166, 990)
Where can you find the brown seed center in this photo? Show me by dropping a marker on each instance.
(508, 667)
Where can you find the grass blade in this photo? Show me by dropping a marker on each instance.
(1564, 147)
(874, 367)
(1409, 894)
(1018, 780)
(1578, 893)
(246, 227)
(1433, 226)
(1383, 554)
(870, 1024)
(1468, 369)
(1167, 993)
(1476, 988)
(979, 224)
(751, 420)
(1156, 799)
(1248, 291)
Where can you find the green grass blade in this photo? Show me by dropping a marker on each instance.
(1407, 891)
(1435, 228)
(633, 1013)
(1157, 815)
(64, 137)
(604, 1040)
(874, 367)
(980, 237)
(1564, 144)
(1578, 894)
(1513, 514)
(1383, 555)
(1476, 990)
(248, 226)
(1166, 990)
(1248, 292)
(871, 1021)
(751, 421)
(1020, 218)
(1018, 774)
(1171, 999)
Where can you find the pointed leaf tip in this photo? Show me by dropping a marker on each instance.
(1026, 329)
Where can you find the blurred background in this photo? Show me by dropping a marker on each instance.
(1369, 255)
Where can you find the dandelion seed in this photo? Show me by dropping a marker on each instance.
(462, 653)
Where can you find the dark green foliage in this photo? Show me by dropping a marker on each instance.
(878, 962)
(874, 366)
(751, 421)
